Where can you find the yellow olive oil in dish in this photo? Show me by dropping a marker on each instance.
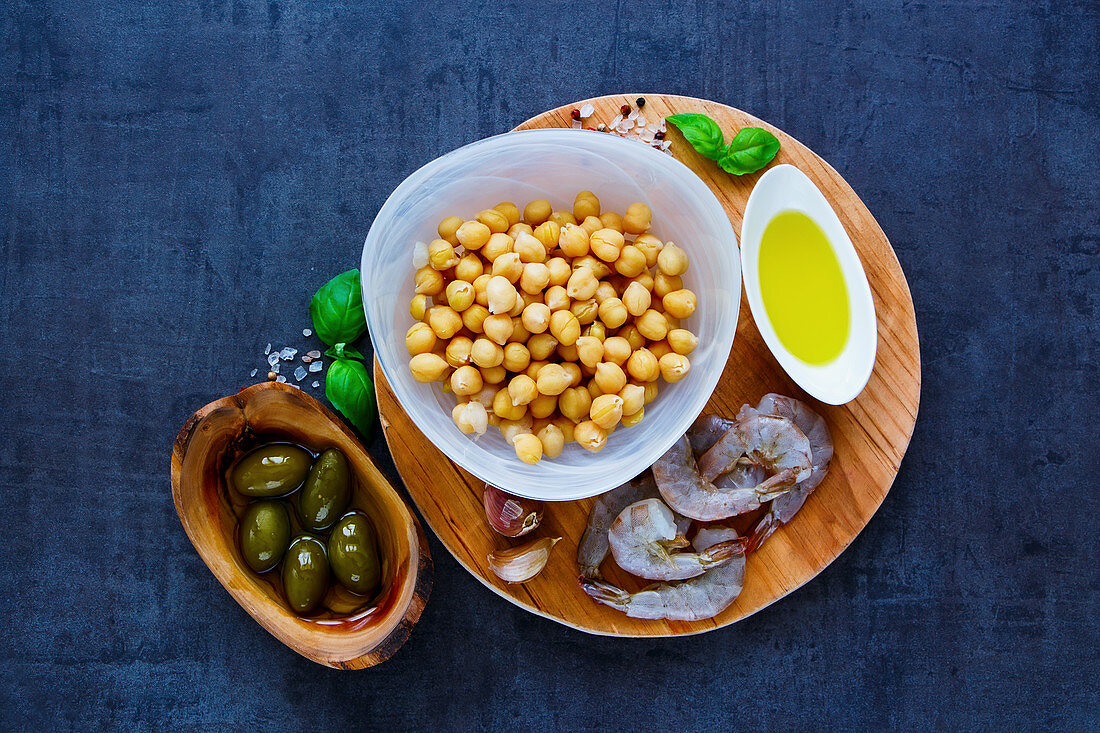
(803, 289)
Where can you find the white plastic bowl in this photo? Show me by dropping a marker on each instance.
(555, 165)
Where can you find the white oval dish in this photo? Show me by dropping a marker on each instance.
(555, 164)
(785, 188)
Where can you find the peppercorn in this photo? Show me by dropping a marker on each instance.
(271, 376)
(659, 135)
(625, 109)
(575, 114)
(640, 102)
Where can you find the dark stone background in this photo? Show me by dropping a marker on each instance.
(179, 177)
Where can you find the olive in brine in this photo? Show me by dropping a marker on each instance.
(305, 573)
(265, 532)
(353, 553)
(272, 470)
(325, 496)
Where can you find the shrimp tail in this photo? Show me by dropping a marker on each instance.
(723, 551)
(605, 593)
(777, 485)
(762, 531)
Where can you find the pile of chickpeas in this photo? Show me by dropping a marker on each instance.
(550, 325)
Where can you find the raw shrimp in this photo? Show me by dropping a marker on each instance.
(769, 441)
(594, 547)
(644, 538)
(784, 508)
(704, 596)
(688, 493)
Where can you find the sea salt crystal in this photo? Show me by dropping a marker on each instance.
(288, 353)
(315, 354)
(420, 255)
(253, 372)
(275, 368)
(633, 115)
(315, 384)
(587, 110)
(615, 122)
(307, 359)
(272, 359)
(280, 379)
(577, 125)
(640, 121)
(267, 350)
(316, 366)
(307, 332)
(300, 373)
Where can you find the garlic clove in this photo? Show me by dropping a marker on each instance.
(520, 564)
(511, 516)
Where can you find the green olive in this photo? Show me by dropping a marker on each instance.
(353, 552)
(272, 470)
(305, 573)
(325, 495)
(265, 532)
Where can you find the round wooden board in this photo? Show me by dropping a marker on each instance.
(870, 433)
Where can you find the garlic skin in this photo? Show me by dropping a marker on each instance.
(511, 516)
(520, 564)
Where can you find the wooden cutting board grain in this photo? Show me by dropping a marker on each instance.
(870, 433)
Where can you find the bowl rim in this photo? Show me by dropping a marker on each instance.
(693, 186)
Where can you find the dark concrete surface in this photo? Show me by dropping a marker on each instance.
(177, 178)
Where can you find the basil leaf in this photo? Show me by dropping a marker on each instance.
(337, 309)
(343, 351)
(350, 390)
(750, 150)
(702, 132)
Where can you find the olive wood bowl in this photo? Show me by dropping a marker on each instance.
(212, 438)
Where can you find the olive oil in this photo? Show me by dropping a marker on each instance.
(803, 288)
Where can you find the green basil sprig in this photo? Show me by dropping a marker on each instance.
(337, 310)
(702, 132)
(751, 149)
(350, 390)
(343, 351)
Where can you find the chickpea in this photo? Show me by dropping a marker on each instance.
(460, 295)
(510, 211)
(418, 307)
(590, 350)
(594, 390)
(548, 233)
(679, 303)
(466, 380)
(575, 403)
(585, 205)
(536, 317)
(529, 248)
(652, 325)
(469, 267)
(574, 371)
(590, 436)
(565, 425)
(565, 327)
(522, 389)
(607, 410)
(632, 335)
(561, 218)
(516, 357)
(473, 235)
(674, 367)
(682, 341)
(599, 269)
(611, 220)
(631, 262)
(499, 327)
(428, 281)
(509, 266)
(481, 283)
(441, 255)
(664, 284)
(573, 241)
(543, 405)
(528, 448)
(637, 219)
(419, 339)
(605, 290)
(473, 318)
(585, 310)
(542, 346)
(552, 439)
(502, 294)
(485, 353)
(610, 378)
(495, 220)
(650, 247)
(471, 417)
(592, 224)
(494, 375)
(556, 298)
(672, 260)
(427, 367)
(537, 212)
(498, 244)
(642, 365)
(673, 323)
(559, 270)
(533, 368)
(493, 420)
(448, 228)
(633, 396)
(633, 419)
(606, 244)
(582, 284)
(535, 277)
(553, 379)
(636, 299)
(616, 350)
(659, 348)
(519, 333)
(651, 389)
(444, 320)
(567, 353)
(596, 330)
(517, 309)
(515, 230)
(503, 407)
(613, 313)
(458, 350)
